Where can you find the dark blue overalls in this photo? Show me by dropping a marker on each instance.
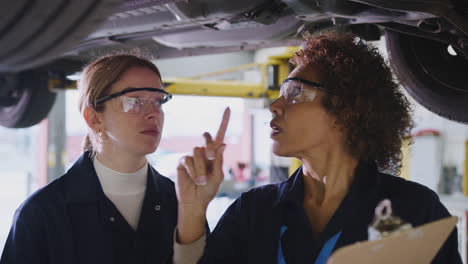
(72, 221)
(269, 225)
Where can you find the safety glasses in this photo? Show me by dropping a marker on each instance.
(294, 92)
(127, 101)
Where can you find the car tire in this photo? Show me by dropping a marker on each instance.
(33, 100)
(33, 33)
(431, 75)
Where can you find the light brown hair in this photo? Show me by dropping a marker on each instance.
(96, 81)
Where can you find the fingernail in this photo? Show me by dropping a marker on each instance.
(210, 154)
(201, 180)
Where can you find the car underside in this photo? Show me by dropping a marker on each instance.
(427, 41)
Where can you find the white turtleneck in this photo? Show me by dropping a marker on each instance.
(125, 190)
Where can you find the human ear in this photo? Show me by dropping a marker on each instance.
(93, 119)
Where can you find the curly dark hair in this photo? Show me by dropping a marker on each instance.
(366, 99)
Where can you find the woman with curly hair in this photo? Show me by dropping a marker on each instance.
(343, 115)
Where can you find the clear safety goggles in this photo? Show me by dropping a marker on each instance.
(127, 101)
(292, 89)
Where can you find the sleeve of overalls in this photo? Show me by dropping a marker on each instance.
(227, 241)
(26, 240)
(448, 253)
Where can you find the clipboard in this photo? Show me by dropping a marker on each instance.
(414, 246)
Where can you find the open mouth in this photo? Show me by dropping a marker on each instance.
(276, 130)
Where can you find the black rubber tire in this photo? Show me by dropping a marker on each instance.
(433, 77)
(34, 104)
(34, 32)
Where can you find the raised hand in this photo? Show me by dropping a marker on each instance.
(198, 179)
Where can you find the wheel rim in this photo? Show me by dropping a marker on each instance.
(443, 67)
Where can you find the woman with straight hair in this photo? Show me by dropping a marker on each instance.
(111, 206)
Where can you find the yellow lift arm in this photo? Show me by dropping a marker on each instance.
(272, 72)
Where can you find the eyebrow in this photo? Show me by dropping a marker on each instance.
(316, 84)
(311, 83)
(131, 89)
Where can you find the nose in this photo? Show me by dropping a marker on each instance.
(153, 111)
(277, 106)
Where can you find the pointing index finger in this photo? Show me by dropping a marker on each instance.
(223, 127)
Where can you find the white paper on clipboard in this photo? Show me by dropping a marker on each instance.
(418, 245)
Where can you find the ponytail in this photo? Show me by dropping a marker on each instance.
(87, 144)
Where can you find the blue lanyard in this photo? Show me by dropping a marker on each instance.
(324, 253)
